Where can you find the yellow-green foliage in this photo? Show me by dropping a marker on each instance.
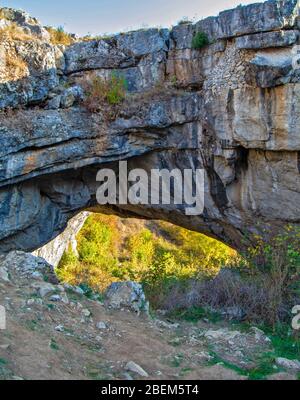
(106, 256)
(59, 36)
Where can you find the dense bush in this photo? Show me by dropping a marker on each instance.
(265, 284)
(140, 254)
(199, 40)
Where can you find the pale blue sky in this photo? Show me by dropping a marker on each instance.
(111, 16)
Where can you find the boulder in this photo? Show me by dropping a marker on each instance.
(30, 25)
(288, 364)
(134, 367)
(44, 289)
(26, 266)
(129, 295)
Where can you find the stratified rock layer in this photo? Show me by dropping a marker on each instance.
(231, 108)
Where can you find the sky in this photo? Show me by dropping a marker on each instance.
(111, 16)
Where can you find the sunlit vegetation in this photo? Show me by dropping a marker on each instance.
(101, 93)
(150, 254)
(15, 67)
(59, 36)
(180, 269)
(14, 32)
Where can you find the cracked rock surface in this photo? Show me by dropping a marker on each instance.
(231, 108)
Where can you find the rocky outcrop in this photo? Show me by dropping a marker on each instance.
(231, 108)
(53, 251)
(126, 295)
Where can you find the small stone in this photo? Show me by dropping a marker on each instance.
(101, 325)
(166, 325)
(4, 346)
(4, 274)
(133, 367)
(44, 288)
(59, 328)
(30, 302)
(78, 290)
(55, 297)
(223, 334)
(260, 335)
(204, 355)
(289, 364)
(54, 103)
(37, 275)
(75, 289)
(85, 312)
(64, 298)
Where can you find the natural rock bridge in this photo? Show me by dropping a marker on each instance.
(232, 108)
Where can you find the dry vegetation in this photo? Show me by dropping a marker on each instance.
(13, 67)
(59, 36)
(14, 118)
(104, 95)
(16, 67)
(14, 32)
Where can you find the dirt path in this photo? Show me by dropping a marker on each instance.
(57, 335)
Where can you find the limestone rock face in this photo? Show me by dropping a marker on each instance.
(26, 266)
(53, 251)
(25, 21)
(231, 108)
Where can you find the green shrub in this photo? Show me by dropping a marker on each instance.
(117, 87)
(264, 283)
(277, 262)
(199, 41)
(101, 93)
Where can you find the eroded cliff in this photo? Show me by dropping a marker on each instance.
(231, 107)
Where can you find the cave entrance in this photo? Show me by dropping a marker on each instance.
(180, 271)
(98, 249)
